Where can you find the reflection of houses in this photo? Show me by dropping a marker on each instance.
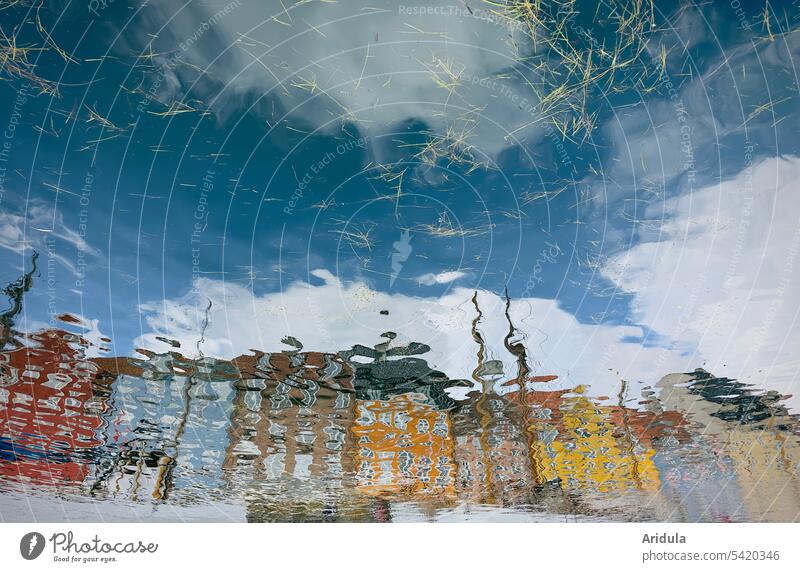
(562, 452)
(506, 446)
(492, 451)
(162, 437)
(291, 418)
(767, 462)
(580, 444)
(510, 446)
(321, 436)
(749, 446)
(403, 445)
(289, 436)
(491, 433)
(402, 430)
(51, 418)
(307, 427)
(139, 472)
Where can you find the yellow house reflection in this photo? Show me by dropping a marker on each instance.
(582, 444)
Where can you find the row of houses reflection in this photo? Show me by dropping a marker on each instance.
(315, 434)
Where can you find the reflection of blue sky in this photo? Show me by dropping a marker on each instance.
(600, 246)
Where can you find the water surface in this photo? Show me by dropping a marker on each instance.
(494, 260)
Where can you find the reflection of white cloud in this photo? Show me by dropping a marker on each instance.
(441, 278)
(749, 88)
(40, 225)
(335, 316)
(378, 65)
(90, 331)
(723, 276)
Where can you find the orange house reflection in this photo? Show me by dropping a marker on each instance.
(404, 445)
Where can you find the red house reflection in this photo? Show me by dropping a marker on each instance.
(49, 415)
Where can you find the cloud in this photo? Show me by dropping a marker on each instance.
(723, 277)
(697, 128)
(41, 229)
(329, 62)
(441, 278)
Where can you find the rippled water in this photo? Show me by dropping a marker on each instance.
(373, 434)
(370, 261)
